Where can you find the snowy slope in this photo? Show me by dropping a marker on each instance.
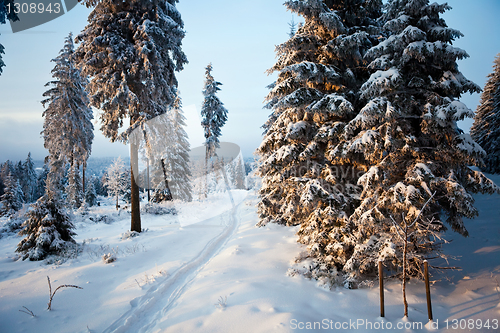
(208, 269)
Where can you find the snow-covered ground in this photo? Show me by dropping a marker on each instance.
(209, 269)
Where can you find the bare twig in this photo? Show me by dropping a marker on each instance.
(27, 311)
(427, 202)
(221, 302)
(49, 305)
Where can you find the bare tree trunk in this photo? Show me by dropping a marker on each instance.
(117, 202)
(83, 178)
(169, 194)
(207, 152)
(147, 175)
(135, 223)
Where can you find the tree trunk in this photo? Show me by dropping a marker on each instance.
(117, 202)
(207, 151)
(135, 223)
(167, 188)
(147, 178)
(83, 178)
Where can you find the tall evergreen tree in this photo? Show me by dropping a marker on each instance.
(407, 138)
(90, 192)
(178, 159)
(239, 174)
(213, 112)
(214, 116)
(306, 179)
(19, 172)
(165, 149)
(12, 199)
(29, 179)
(6, 168)
(486, 127)
(68, 130)
(41, 182)
(102, 190)
(131, 49)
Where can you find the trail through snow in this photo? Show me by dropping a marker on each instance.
(159, 299)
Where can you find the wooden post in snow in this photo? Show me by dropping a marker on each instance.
(381, 286)
(428, 289)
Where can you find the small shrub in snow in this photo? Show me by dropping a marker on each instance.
(71, 251)
(108, 258)
(311, 269)
(101, 219)
(131, 234)
(84, 209)
(11, 226)
(221, 303)
(156, 209)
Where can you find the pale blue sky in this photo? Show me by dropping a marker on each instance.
(238, 37)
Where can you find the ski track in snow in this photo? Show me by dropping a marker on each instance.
(147, 310)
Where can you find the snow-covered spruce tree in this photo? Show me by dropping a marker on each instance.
(239, 174)
(102, 190)
(68, 130)
(6, 168)
(48, 228)
(41, 182)
(407, 133)
(29, 179)
(90, 191)
(154, 139)
(116, 182)
(131, 50)
(214, 116)
(165, 150)
(177, 159)
(486, 127)
(12, 199)
(19, 172)
(305, 178)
